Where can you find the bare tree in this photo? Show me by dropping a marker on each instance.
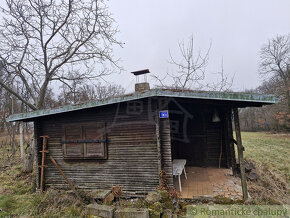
(108, 91)
(191, 66)
(223, 83)
(78, 92)
(8, 105)
(266, 118)
(275, 65)
(275, 70)
(191, 70)
(54, 40)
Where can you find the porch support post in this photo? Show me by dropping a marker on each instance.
(157, 123)
(240, 153)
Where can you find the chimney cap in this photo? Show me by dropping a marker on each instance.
(140, 72)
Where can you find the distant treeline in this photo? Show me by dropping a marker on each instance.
(267, 118)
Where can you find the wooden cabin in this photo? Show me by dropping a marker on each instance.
(127, 140)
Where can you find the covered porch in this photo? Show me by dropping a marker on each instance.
(201, 135)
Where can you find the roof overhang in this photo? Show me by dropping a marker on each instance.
(245, 98)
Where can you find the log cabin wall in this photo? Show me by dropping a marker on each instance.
(132, 158)
(166, 155)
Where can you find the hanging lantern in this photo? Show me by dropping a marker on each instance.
(216, 117)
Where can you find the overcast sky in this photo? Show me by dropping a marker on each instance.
(236, 28)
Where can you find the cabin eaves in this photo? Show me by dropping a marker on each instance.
(263, 99)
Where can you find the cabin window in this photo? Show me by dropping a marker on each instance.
(84, 141)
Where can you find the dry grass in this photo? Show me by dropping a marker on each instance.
(271, 150)
(18, 198)
(270, 154)
(270, 188)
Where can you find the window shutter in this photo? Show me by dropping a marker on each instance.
(95, 149)
(73, 150)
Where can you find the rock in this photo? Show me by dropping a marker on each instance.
(132, 213)
(100, 194)
(101, 210)
(252, 176)
(153, 197)
(154, 214)
(248, 166)
(250, 171)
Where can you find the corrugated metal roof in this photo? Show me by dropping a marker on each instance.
(225, 96)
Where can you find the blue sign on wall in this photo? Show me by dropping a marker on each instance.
(163, 114)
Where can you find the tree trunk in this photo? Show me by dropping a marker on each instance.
(13, 139)
(21, 140)
(41, 97)
(288, 99)
(29, 157)
(13, 130)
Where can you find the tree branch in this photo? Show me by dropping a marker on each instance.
(17, 95)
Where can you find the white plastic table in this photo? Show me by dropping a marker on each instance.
(178, 166)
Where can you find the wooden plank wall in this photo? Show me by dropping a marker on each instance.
(215, 134)
(132, 150)
(215, 138)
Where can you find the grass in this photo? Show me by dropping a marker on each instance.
(270, 153)
(17, 196)
(270, 150)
